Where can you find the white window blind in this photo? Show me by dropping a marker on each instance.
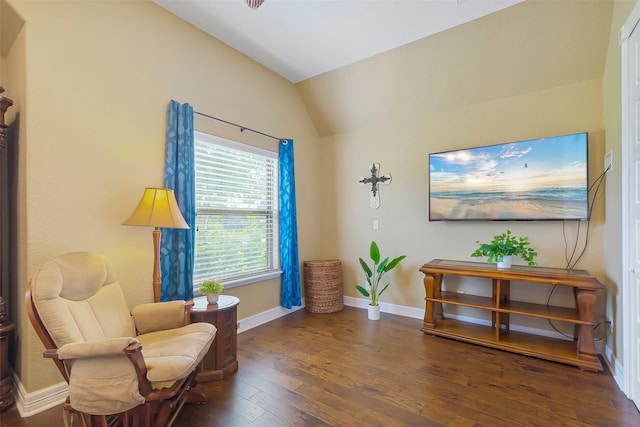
(236, 211)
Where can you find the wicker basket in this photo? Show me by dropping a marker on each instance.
(323, 286)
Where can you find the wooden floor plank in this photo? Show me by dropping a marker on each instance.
(341, 369)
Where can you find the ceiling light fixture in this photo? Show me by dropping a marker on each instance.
(254, 4)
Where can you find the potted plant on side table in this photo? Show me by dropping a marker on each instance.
(374, 276)
(503, 247)
(212, 290)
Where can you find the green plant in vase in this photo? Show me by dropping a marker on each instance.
(212, 289)
(504, 245)
(375, 272)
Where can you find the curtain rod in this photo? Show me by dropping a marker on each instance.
(242, 128)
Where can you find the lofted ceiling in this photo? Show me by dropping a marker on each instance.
(360, 63)
(300, 39)
(533, 46)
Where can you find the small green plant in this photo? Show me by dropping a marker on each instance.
(375, 273)
(211, 287)
(506, 244)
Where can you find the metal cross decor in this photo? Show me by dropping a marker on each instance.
(374, 180)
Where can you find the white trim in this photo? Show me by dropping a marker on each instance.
(628, 321)
(235, 145)
(627, 318)
(616, 369)
(232, 283)
(29, 404)
(632, 21)
(400, 310)
(41, 400)
(418, 313)
(266, 316)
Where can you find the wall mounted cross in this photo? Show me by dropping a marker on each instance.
(374, 180)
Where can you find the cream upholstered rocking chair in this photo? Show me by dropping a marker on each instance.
(119, 365)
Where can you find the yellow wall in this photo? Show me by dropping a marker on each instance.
(401, 144)
(506, 77)
(613, 233)
(402, 149)
(98, 77)
(92, 80)
(511, 75)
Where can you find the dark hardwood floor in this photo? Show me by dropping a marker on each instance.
(342, 369)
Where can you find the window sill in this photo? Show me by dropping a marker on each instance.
(252, 279)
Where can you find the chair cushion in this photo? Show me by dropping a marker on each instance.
(79, 299)
(158, 316)
(82, 306)
(103, 385)
(172, 354)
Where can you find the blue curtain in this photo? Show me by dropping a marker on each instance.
(290, 294)
(177, 246)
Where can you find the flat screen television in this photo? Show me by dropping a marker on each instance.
(533, 180)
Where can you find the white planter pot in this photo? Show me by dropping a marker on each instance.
(212, 298)
(374, 312)
(506, 263)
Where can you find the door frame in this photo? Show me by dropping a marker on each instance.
(630, 353)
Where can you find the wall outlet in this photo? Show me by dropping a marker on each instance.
(608, 162)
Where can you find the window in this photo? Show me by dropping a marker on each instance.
(236, 212)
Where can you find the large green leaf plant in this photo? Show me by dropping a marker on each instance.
(376, 272)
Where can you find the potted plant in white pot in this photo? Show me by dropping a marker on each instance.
(212, 290)
(503, 247)
(374, 276)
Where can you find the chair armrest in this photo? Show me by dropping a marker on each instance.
(134, 354)
(108, 347)
(159, 316)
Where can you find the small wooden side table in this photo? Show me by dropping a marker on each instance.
(221, 359)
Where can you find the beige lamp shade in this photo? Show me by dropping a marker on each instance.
(158, 208)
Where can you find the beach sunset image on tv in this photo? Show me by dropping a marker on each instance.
(539, 179)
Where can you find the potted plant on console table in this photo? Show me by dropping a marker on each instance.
(503, 247)
(212, 290)
(374, 275)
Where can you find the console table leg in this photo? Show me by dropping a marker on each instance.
(586, 302)
(501, 296)
(429, 312)
(437, 289)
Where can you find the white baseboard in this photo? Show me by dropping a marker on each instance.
(418, 313)
(266, 316)
(385, 307)
(616, 369)
(29, 404)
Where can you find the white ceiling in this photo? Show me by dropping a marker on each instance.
(299, 39)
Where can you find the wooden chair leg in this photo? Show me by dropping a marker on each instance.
(99, 421)
(146, 415)
(68, 412)
(81, 419)
(125, 419)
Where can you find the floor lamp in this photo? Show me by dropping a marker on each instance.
(157, 208)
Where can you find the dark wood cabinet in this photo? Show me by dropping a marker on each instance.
(6, 326)
(222, 358)
(579, 352)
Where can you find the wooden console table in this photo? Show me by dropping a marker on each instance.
(222, 358)
(580, 352)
